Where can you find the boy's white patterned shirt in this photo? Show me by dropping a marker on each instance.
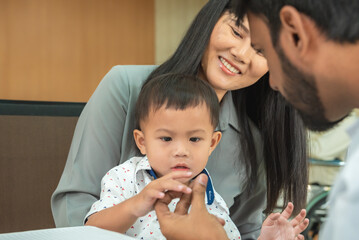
(128, 179)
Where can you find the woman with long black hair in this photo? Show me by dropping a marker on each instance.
(262, 153)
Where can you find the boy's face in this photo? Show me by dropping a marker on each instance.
(177, 140)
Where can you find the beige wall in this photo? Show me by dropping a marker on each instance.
(172, 19)
(59, 50)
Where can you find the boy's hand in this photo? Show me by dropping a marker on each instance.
(145, 200)
(277, 226)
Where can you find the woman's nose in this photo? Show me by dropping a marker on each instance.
(242, 53)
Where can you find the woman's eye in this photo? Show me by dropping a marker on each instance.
(166, 139)
(194, 139)
(235, 32)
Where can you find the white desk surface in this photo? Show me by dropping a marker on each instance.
(70, 233)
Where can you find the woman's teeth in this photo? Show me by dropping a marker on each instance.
(228, 66)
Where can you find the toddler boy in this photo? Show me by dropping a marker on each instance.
(176, 115)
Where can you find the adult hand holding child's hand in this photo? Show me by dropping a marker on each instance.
(197, 224)
(172, 182)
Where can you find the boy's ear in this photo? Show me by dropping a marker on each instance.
(216, 137)
(140, 140)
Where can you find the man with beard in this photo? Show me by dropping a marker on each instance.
(312, 49)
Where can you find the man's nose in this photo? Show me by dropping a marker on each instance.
(272, 83)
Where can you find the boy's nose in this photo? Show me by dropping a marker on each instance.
(181, 151)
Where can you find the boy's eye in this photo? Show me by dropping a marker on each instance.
(194, 139)
(166, 139)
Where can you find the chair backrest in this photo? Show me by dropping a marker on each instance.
(35, 139)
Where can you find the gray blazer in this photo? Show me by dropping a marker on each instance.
(103, 139)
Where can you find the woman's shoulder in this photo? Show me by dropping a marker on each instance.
(127, 75)
(132, 71)
(122, 81)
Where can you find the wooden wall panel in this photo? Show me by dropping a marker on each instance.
(59, 50)
(172, 19)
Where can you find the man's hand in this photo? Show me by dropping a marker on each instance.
(277, 226)
(198, 224)
(145, 200)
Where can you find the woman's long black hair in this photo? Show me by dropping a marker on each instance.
(282, 131)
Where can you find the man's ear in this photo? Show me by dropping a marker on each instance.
(216, 137)
(140, 140)
(294, 35)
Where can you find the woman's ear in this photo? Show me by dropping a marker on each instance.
(140, 140)
(216, 137)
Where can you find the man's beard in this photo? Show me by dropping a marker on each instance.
(302, 93)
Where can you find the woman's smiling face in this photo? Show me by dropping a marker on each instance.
(229, 62)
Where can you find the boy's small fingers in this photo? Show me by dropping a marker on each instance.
(152, 194)
(302, 226)
(299, 237)
(160, 194)
(271, 219)
(178, 175)
(169, 196)
(288, 211)
(164, 185)
(299, 218)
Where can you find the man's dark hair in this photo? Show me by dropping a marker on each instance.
(337, 19)
(176, 91)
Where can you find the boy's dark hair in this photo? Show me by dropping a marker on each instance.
(178, 91)
(337, 19)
